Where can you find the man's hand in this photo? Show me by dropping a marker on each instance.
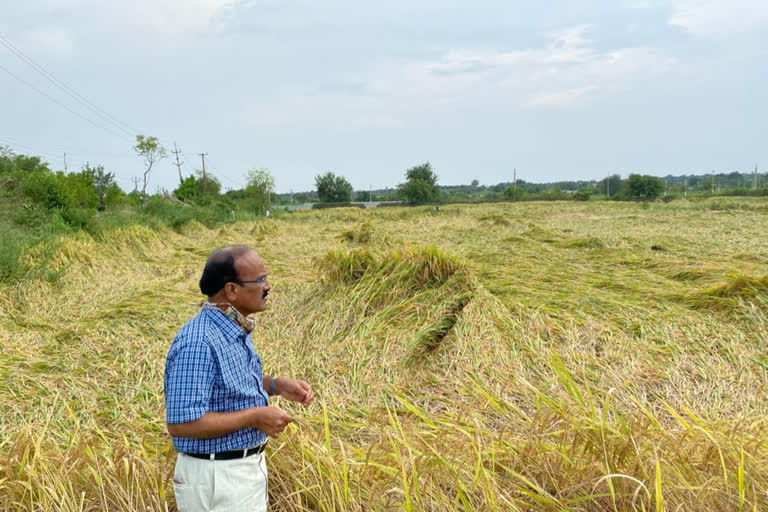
(295, 390)
(271, 420)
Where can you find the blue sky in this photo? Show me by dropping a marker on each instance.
(556, 89)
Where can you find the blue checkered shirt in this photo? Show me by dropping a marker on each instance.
(212, 366)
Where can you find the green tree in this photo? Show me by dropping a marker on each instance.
(420, 185)
(644, 187)
(260, 187)
(514, 193)
(207, 187)
(187, 190)
(612, 186)
(332, 188)
(150, 149)
(101, 181)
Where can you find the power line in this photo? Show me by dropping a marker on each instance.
(211, 166)
(68, 90)
(70, 151)
(13, 145)
(62, 105)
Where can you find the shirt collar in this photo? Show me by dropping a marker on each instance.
(230, 327)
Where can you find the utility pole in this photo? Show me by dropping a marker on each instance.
(136, 184)
(754, 178)
(685, 186)
(608, 187)
(514, 177)
(713, 181)
(65, 161)
(178, 164)
(203, 155)
(290, 201)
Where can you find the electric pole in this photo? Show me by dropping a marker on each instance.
(685, 186)
(178, 164)
(65, 161)
(203, 155)
(514, 177)
(136, 184)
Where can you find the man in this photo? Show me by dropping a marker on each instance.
(216, 397)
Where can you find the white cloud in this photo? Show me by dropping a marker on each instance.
(567, 71)
(178, 16)
(562, 73)
(720, 19)
(158, 16)
(559, 98)
(47, 41)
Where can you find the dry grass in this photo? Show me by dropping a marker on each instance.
(534, 356)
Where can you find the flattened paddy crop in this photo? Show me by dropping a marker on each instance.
(524, 356)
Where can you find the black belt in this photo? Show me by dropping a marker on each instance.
(232, 454)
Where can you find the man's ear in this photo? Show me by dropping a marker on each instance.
(230, 292)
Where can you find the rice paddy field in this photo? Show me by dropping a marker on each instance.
(522, 356)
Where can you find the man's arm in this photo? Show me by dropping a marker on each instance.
(269, 420)
(214, 424)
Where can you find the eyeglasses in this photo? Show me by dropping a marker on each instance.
(257, 281)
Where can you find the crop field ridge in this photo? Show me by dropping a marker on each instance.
(497, 357)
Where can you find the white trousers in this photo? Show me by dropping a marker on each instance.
(221, 485)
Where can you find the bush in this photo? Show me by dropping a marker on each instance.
(644, 187)
(81, 189)
(115, 195)
(48, 189)
(77, 217)
(10, 253)
(514, 193)
(582, 195)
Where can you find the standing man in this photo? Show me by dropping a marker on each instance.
(216, 397)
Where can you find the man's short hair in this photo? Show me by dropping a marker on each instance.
(220, 269)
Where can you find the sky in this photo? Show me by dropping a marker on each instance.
(556, 89)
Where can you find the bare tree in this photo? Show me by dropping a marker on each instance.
(151, 150)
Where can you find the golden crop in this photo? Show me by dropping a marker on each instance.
(525, 356)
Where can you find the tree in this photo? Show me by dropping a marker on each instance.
(152, 151)
(261, 185)
(514, 193)
(611, 186)
(208, 187)
(644, 187)
(187, 190)
(101, 180)
(475, 183)
(421, 184)
(332, 188)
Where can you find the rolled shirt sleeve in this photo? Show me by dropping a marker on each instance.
(189, 377)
